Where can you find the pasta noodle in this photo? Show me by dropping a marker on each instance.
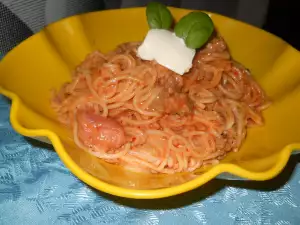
(144, 117)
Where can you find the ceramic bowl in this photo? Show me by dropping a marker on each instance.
(44, 61)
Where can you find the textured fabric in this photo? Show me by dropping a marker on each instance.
(37, 189)
(250, 11)
(30, 16)
(19, 19)
(12, 29)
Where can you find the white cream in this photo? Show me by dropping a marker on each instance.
(168, 50)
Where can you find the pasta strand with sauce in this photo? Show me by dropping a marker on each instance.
(146, 118)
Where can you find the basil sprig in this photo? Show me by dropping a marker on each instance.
(158, 16)
(195, 29)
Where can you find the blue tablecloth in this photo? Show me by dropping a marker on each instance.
(36, 188)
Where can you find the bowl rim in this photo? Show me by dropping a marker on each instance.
(100, 185)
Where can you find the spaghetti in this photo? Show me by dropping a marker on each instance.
(147, 118)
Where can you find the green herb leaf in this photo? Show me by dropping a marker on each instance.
(195, 29)
(158, 16)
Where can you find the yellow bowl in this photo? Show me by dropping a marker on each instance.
(44, 62)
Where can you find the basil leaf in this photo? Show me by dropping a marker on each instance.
(195, 29)
(158, 16)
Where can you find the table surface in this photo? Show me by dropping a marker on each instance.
(36, 188)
